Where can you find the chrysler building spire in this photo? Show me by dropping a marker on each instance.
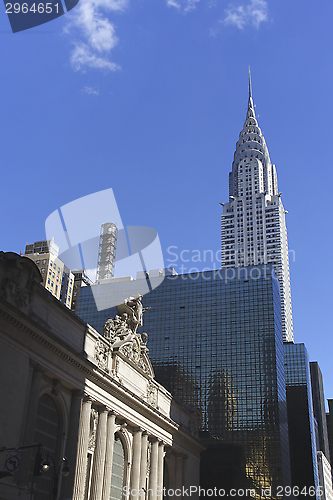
(250, 85)
(255, 216)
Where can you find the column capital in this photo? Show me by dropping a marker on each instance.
(87, 398)
(78, 393)
(36, 366)
(112, 411)
(138, 429)
(102, 408)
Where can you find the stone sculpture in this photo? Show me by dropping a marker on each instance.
(121, 331)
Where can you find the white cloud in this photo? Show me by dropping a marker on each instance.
(254, 13)
(94, 34)
(186, 5)
(173, 3)
(82, 57)
(90, 90)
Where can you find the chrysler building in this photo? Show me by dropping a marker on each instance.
(253, 229)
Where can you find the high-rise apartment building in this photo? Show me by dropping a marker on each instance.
(215, 342)
(57, 278)
(253, 228)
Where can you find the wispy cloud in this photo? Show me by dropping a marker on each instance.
(94, 34)
(90, 91)
(254, 13)
(185, 5)
(173, 3)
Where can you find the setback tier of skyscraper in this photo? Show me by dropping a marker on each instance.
(216, 343)
(253, 229)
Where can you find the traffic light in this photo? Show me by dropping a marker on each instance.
(38, 465)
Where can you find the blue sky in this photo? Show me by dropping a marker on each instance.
(148, 97)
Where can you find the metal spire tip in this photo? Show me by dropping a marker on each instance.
(250, 84)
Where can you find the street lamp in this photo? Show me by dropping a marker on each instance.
(63, 469)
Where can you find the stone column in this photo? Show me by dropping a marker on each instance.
(72, 444)
(82, 450)
(30, 423)
(111, 425)
(179, 471)
(153, 476)
(99, 457)
(144, 459)
(160, 468)
(136, 462)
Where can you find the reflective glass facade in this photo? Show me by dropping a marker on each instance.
(318, 400)
(301, 423)
(215, 341)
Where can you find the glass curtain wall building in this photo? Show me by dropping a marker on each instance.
(318, 400)
(301, 423)
(215, 341)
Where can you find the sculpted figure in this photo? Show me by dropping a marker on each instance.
(123, 328)
(117, 321)
(108, 329)
(135, 304)
(144, 338)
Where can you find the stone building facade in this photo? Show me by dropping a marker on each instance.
(87, 397)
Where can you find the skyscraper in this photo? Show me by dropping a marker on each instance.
(253, 228)
(318, 400)
(57, 278)
(301, 421)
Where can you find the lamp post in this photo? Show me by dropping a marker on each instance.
(63, 469)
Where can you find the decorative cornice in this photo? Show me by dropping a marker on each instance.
(95, 374)
(43, 341)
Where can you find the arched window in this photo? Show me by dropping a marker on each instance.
(118, 469)
(47, 433)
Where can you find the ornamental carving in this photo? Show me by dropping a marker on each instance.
(101, 354)
(121, 332)
(93, 429)
(148, 457)
(152, 394)
(17, 279)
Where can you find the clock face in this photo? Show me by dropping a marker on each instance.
(135, 350)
